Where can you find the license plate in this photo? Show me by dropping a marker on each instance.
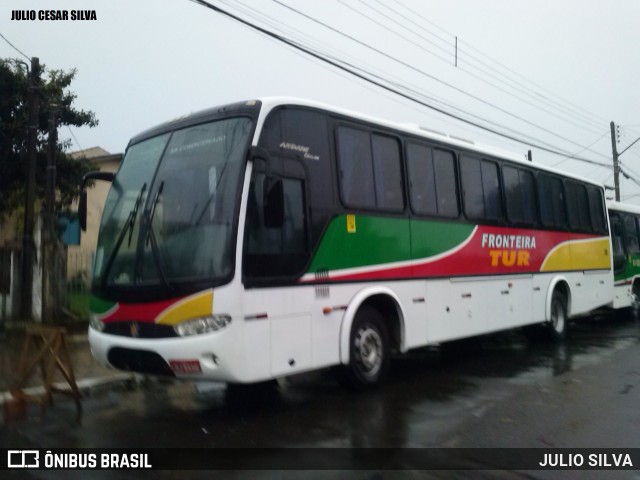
(185, 366)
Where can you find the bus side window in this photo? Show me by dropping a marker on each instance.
(481, 189)
(422, 179)
(432, 181)
(619, 257)
(631, 234)
(553, 213)
(446, 185)
(596, 209)
(577, 203)
(387, 170)
(370, 170)
(520, 196)
(356, 169)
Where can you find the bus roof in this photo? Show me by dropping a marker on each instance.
(249, 107)
(266, 104)
(623, 207)
(270, 103)
(412, 128)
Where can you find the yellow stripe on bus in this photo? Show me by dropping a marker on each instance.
(198, 305)
(579, 255)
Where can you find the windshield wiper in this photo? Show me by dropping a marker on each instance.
(155, 202)
(151, 236)
(127, 227)
(134, 213)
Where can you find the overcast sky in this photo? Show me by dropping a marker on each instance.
(553, 72)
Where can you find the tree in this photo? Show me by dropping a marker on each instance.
(53, 93)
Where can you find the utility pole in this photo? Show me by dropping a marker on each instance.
(616, 157)
(49, 238)
(616, 164)
(27, 236)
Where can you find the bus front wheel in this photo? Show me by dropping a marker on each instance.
(369, 352)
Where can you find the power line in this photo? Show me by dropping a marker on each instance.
(629, 177)
(587, 124)
(507, 81)
(459, 90)
(569, 105)
(585, 148)
(396, 33)
(28, 58)
(74, 138)
(14, 47)
(397, 84)
(318, 56)
(422, 72)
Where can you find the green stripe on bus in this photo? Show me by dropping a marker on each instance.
(380, 240)
(632, 268)
(99, 306)
(433, 237)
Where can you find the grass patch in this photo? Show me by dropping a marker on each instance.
(79, 303)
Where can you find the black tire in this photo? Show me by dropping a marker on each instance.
(635, 300)
(558, 321)
(369, 351)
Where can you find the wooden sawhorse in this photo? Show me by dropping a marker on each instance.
(47, 347)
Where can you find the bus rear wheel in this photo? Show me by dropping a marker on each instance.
(369, 352)
(635, 299)
(558, 320)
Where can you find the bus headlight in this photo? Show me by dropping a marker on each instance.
(96, 323)
(197, 326)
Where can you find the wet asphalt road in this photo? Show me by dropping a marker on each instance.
(496, 391)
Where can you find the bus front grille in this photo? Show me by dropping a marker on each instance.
(140, 361)
(140, 330)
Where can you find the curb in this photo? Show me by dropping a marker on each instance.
(87, 386)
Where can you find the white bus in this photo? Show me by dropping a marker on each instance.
(625, 220)
(271, 237)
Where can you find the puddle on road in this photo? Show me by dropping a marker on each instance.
(429, 392)
(440, 374)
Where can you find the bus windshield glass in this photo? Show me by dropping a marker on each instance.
(169, 216)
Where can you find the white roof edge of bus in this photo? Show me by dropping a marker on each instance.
(623, 207)
(270, 102)
(414, 128)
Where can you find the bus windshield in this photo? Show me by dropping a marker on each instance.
(169, 216)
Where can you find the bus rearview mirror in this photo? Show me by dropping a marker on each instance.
(86, 180)
(82, 210)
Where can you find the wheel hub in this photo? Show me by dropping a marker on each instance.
(368, 351)
(557, 318)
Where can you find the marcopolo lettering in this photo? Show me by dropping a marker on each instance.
(306, 151)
